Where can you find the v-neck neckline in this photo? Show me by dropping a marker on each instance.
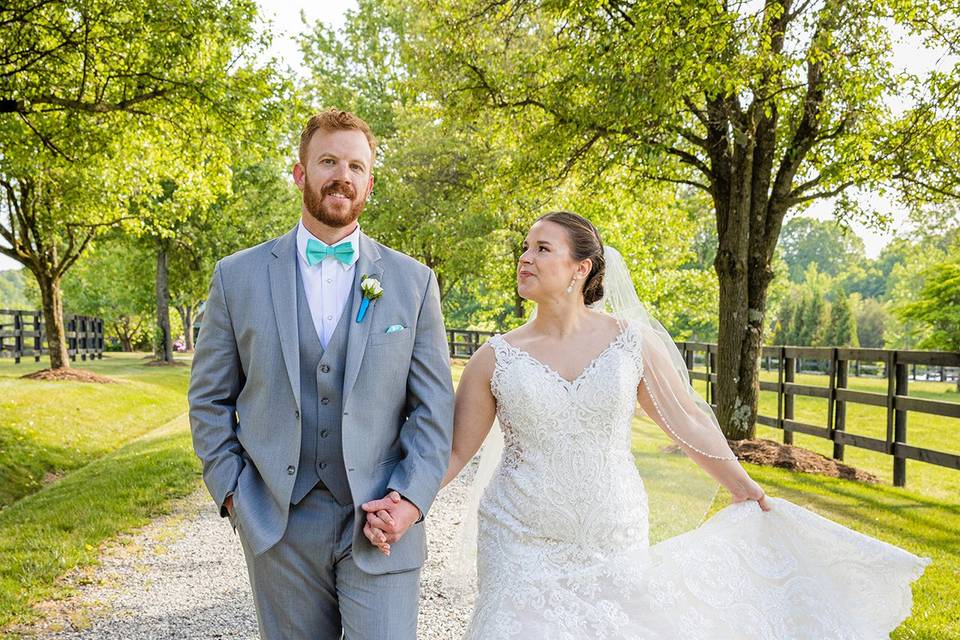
(590, 365)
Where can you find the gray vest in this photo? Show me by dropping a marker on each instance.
(321, 403)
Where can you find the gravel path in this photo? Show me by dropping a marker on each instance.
(183, 577)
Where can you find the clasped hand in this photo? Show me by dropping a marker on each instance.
(388, 519)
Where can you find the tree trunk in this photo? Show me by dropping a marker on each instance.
(188, 328)
(124, 333)
(164, 348)
(186, 318)
(53, 321)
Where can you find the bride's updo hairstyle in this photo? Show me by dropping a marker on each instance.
(584, 243)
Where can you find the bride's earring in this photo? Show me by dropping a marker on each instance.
(572, 282)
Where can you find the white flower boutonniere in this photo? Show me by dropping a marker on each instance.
(372, 290)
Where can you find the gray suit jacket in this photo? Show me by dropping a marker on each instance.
(397, 394)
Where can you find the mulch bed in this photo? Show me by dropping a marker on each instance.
(786, 456)
(70, 375)
(774, 454)
(161, 363)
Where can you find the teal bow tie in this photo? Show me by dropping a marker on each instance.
(317, 251)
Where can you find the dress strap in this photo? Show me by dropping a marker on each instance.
(504, 354)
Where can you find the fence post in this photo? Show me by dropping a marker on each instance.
(82, 339)
(72, 338)
(688, 361)
(790, 372)
(840, 407)
(832, 388)
(900, 426)
(17, 336)
(711, 385)
(38, 332)
(780, 388)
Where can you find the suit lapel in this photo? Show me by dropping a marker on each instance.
(283, 291)
(369, 264)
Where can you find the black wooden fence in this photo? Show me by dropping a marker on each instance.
(898, 367)
(463, 342)
(22, 335)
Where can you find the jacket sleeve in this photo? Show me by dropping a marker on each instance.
(426, 436)
(215, 383)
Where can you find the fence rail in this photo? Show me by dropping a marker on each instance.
(23, 335)
(898, 367)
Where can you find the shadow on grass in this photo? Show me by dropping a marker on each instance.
(61, 526)
(918, 523)
(25, 463)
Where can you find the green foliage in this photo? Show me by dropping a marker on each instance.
(832, 248)
(113, 280)
(131, 124)
(841, 329)
(872, 321)
(456, 195)
(17, 290)
(938, 306)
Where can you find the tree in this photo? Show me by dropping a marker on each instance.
(783, 330)
(938, 306)
(873, 319)
(15, 291)
(815, 314)
(826, 244)
(97, 96)
(765, 111)
(113, 280)
(841, 330)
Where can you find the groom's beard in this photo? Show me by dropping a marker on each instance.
(313, 202)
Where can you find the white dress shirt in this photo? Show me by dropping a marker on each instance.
(327, 283)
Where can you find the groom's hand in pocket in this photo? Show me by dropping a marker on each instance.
(388, 519)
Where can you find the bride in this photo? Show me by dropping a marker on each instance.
(563, 542)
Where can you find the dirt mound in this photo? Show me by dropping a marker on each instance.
(71, 375)
(774, 454)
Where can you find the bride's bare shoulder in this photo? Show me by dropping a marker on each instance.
(481, 363)
(520, 336)
(608, 323)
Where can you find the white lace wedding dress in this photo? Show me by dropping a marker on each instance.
(563, 550)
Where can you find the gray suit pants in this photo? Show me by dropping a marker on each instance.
(308, 587)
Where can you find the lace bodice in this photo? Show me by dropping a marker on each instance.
(566, 445)
(545, 416)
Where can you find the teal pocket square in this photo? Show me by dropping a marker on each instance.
(395, 327)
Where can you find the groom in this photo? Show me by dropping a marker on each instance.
(312, 396)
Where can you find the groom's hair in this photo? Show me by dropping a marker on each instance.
(584, 243)
(335, 120)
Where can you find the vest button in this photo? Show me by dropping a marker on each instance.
(324, 400)
(291, 470)
(325, 368)
(323, 465)
(296, 414)
(324, 433)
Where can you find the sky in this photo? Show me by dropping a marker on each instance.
(287, 23)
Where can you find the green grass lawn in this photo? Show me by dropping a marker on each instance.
(80, 463)
(50, 428)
